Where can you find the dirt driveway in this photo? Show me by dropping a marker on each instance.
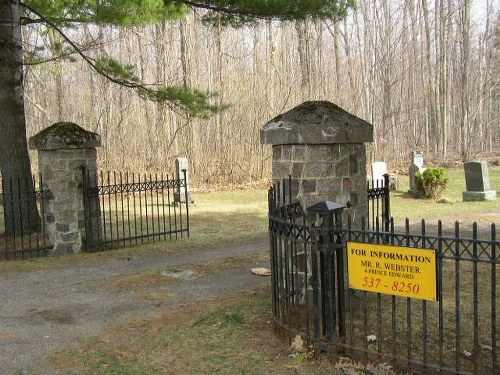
(45, 311)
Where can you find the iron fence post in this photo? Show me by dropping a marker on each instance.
(387, 204)
(184, 172)
(331, 269)
(339, 253)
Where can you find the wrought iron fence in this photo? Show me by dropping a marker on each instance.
(125, 209)
(22, 212)
(379, 203)
(456, 334)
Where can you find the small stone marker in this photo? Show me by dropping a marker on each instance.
(477, 182)
(182, 164)
(417, 165)
(379, 169)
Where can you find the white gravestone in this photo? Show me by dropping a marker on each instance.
(417, 158)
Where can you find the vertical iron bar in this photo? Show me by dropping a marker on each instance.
(424, 307)
(475, 260)
(102, 200)
(146, 196)
(387, 203)
(393, 305)
(440, 294)
(184, 171)
(272, 248)
(281, 283)
(408, 310)
(315, 282)
(115, 198)
(341, 271)
(365, 309)
(494, 263)
(329, 281)
(181, 222)
(457, 296)
(122, 208)
(178, 185)
(379, 297)
(158, 218)
(139, 190)
(169, 201)
(164, 184)
(110, 213)
(286, 270)
(350, 292)
(306, 285)
(151, 200)
(134, 203)
(30, 198)
(129, 191)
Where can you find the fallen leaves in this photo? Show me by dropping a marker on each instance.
(261, 271)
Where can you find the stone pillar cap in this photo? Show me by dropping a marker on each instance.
(316, 122)
(64, 135)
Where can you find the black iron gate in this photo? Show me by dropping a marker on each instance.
(125, 208)
(457, 334)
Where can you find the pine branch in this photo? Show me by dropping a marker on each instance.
(244, 11)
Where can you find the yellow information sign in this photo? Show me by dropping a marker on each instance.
(396, 270)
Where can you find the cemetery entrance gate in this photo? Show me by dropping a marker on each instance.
(456, 333)
(123, 209)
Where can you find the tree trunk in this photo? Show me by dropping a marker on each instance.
(305, 82)
(20, 212)
(443, 81)
(431, 101)
(465, 126)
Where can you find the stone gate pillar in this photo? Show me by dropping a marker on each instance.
(321, 146)
(63, 149)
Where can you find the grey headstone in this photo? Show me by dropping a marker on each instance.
(417, 165)
(379, 169)
(477, 177)
(411, 176)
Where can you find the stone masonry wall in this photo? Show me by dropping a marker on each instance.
(334, 172)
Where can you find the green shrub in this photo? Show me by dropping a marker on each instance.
(431, 183)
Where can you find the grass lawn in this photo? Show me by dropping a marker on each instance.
(453, 208)
(233, 335)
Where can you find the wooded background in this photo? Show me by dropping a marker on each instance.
(425, 73)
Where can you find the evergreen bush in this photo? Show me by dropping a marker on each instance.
(431, 182)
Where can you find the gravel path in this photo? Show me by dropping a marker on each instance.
(46, 311)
